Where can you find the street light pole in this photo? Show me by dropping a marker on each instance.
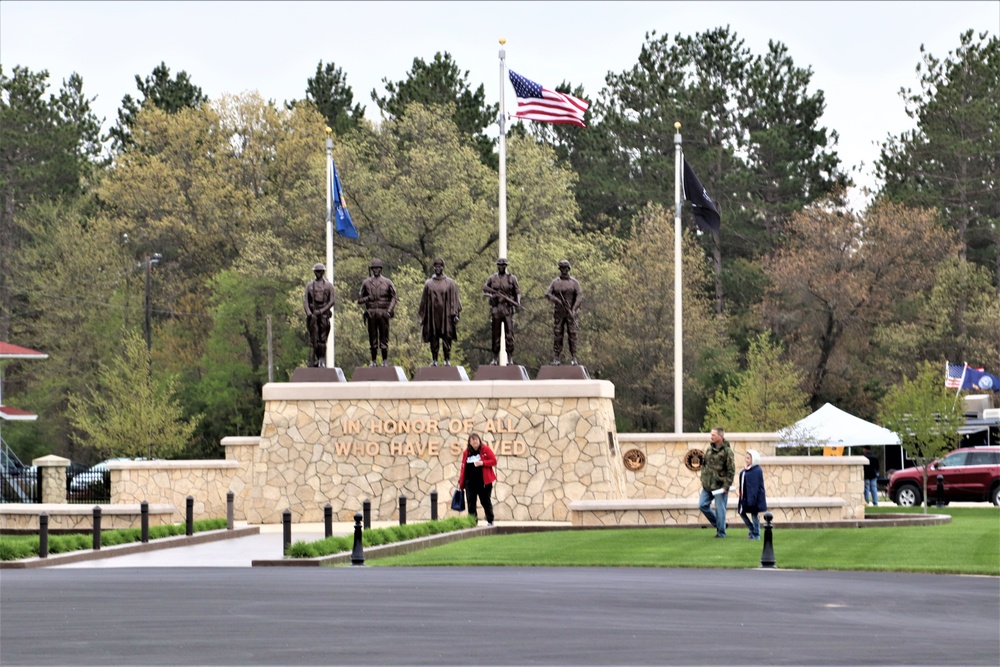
(149, 311)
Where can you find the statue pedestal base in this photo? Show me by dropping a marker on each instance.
(441, 373)
(314, 374)
(379, 374)
(563, 373)
(507, 372)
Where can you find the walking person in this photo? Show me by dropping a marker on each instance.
(717, 473)
(871, 476)
(476, 476)
(753, 500)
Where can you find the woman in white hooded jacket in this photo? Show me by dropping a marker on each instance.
(752, 497)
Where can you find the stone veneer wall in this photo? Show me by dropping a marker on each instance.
(666, 476)
(339, 443)
(171, 482)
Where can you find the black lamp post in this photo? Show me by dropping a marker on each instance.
(149, 313)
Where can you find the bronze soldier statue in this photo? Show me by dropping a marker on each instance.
(439, 309)
(378, 298)
(565, 293)
(317, 303)
(505, 300)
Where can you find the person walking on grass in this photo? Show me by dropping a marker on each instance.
(717, 473)
(476, 476)
(753, 500)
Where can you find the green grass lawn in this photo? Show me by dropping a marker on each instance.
(970, 544)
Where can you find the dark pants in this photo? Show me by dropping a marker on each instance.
(563, 324)
(378, 333)
(443, 342)
(508, 333)
(484, 494)
(319, 330)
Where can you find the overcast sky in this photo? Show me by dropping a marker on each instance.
(860, 53)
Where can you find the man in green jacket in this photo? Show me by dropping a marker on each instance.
(717, 473)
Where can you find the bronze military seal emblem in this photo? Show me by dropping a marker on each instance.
(634, 459)
(693, 459)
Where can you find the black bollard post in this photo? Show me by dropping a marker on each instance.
(366, 507)
(402, 510)
(434, 505)
(189, 530)
(144, 521)
(43, 535)
(940, 491)
(97, 528)
(229, 510)
(328, 520)
(286, 531)
(358, 555)
(767, 555)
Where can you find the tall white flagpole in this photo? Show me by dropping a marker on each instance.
(503, 181)
(678, 312)
(331, 340)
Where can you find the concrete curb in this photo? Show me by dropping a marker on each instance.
(132, 548)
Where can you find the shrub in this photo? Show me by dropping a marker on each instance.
(378, 536)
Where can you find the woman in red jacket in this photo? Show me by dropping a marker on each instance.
(477, 474)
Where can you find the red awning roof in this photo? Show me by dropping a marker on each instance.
(10, 351)
(8, 413)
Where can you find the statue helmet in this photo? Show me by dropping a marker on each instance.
(502, 260)
(375, 264)
(438, 261)
(564, 262)
(319, 267)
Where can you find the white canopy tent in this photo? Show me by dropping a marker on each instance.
(831, 426)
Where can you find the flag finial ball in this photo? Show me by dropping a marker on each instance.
(503, 40)
(328, 130)
(677, 125)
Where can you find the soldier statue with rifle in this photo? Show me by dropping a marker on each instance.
(565, 294)
(505, 300)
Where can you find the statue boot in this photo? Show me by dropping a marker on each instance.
(385, 356)
(374, 352)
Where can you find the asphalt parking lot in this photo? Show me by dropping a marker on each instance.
(494, 616)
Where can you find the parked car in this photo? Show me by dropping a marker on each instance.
(93, 476)
(969, 474)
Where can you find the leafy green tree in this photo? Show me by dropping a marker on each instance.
(159, 90)
(766, 397)
(441, 82)
(925, 415)
(751, 130)
(329, 91)
(128, 412)
(838, 277)
(261, 284)
(957, 318)
(951, 160)
(48, 148)
(634, 333)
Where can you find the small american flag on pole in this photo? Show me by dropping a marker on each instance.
(955, 376)
(537, 103)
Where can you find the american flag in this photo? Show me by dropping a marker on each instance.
(954, 377)
(547, 106)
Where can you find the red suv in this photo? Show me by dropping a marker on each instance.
(970, 474)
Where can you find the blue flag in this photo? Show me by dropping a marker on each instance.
(979, 379)
(345, 226)
(706, 211)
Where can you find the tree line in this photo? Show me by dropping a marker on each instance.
(797, 301)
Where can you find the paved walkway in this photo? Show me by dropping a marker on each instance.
(237, 552)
